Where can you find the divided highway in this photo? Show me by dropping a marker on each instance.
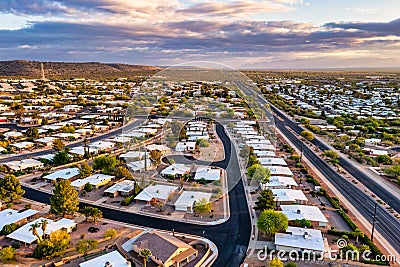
(387, 225)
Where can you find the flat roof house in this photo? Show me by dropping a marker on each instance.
(96, 180)
(176, 170)
(311, 213)
(207, 173)
(46, 141)
(187, 199)
(289, 196)
(280, 182)
(24, 164)
(64, 174)
(300, 239)
(159, 192)
(280, 171)
(272, 161)
(9, 216)
(25, 236)
(124, 188)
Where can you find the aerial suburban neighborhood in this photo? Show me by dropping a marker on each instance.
(112, 171)
(199, 133)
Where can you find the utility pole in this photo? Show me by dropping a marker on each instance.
(373, 223)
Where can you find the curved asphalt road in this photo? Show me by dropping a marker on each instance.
(231, 237)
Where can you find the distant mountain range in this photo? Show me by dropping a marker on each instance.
(33, 69)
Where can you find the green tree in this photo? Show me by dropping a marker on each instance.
(290, 264)
(7, 254)
(271, 222)
(145, 254)
(54, 246)
(86, 245)
(105, 163)
(123, 172)
(275, 262)
(86, 211)
(8, 229)
(155, 156)
(88, 187)
(358, 233)
(10, 188)
(61, 158)
(349, 251)
(58, 145)
(202, 143)
(96, 214)
(363, 248)
(330, 154)
(111, 232)
(32, 132)
(302, 223)
(265, 201)
(307, 135)
(259, 173)
(393, 171)
(64, 199)
(202, 206)
(43, 224)
(384, 159)
(85, 170)
(244, 152)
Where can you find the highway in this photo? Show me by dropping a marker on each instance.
(387, 225)
(231, 237)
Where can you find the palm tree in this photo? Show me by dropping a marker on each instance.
(96, 214)
(145, 254)
(358, 233)
(43, 224)
(85, 143)
(87, 212)
(34, 231)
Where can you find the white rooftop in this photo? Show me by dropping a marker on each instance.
(272, 161)
(176, 169)
(63, 174)
(156, 191)
(124, 186)
(24, 235)
(285, 195)
(278, 170)
(188, 198)
(94, 180)
(114, 258)
(207, 173)
(24, 164)
(311, 213)
(139, 165)
(280, 181)
(302, 238)
(9, 216)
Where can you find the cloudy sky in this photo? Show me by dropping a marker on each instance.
(243, 33)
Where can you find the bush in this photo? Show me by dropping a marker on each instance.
(8, 229)
(127, 200)
(88, 187)
(110, 233)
